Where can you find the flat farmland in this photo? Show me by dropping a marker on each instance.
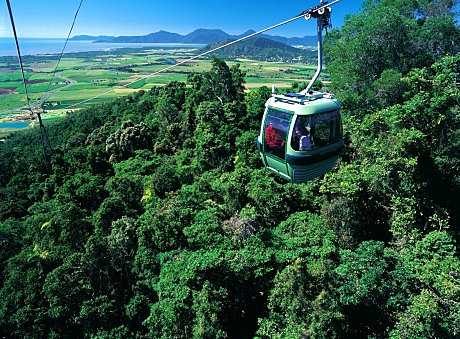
(88, 78)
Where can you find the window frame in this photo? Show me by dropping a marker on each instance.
(335, 135)
(282, 115)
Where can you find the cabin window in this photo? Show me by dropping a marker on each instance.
(313, 131)
(301, 139)
(326, 128)
(275, 132)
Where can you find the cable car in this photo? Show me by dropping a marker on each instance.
(301, 133)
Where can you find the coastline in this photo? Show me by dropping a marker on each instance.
(49, 46)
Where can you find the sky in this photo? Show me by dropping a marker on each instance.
(53, 18)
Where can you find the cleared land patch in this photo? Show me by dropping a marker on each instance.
(37, 81)
(110, 74)
(7, 90)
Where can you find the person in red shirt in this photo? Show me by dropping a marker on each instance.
(271, 138)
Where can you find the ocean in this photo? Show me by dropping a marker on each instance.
(34, 46)
(14, 124)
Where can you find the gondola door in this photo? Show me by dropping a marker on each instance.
(275, 140)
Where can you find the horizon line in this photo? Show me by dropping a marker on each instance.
(161, 30)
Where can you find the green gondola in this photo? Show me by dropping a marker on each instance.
(301, 133)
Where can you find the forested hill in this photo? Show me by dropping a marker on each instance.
(262, 49)
(151, 216)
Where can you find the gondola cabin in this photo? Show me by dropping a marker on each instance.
(301, 135)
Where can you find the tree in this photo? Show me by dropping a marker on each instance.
(221, 83)
(402, 183)
(362, 280)
(65, 289)
(23, 308)
(129, 138)
(208, 305)
(433, 310)
(11, 234)
(212, 141)
(387, 35)
(301, 301)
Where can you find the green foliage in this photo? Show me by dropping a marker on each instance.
(221, 83)
(153, 217)
(255, 102)
(433, 309)
(301, 302)
(11, 234)
(362, 287)
(205, 231)
(212, 143)
(388, 35)
(129, 138)
(24, 310)
(207, 304)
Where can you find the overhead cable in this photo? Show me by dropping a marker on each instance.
(192, 58)
(42, 126)
(62, 53)
(19, 53)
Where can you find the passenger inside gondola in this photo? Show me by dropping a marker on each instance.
(275, 136)
(301, 140)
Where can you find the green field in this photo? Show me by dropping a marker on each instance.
(107, 75)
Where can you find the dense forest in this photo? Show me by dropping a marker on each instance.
(152, 217)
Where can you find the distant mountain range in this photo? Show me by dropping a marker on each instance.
(199, 36)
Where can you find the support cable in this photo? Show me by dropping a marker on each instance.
(306, 14)
(193, 58)
(60, 57)
(42, 127)
(19, 53)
